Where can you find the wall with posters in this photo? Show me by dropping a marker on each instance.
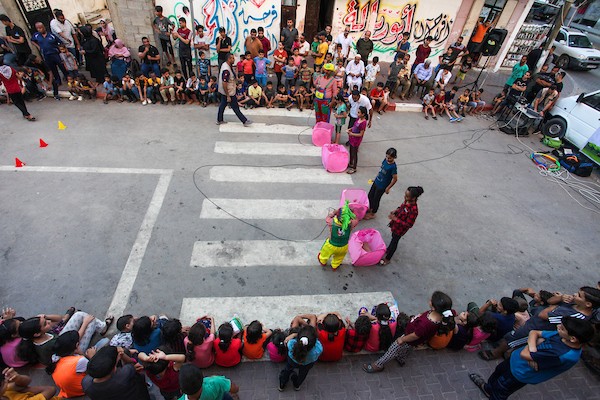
(388, 19)
(237, 16)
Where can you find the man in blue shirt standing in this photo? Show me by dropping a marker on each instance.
(546, 355)
(47, 43)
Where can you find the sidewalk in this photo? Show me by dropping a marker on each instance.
(428, 375)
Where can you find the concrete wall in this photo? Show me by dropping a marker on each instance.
(388, 19)
(237, 16)
(132, 20)
(511, 19)
(10, 8)
(74, 8)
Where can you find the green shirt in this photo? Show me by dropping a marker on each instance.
(339, 237)
(340, 110)
(213, 388)
(517, 72)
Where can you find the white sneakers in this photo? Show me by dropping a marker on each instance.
(144, 103)
(72, 98)
(80, 98)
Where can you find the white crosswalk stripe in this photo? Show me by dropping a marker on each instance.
(274, 112)
(266, 208)
(278, 311)
(256, 253)
(278, 175)
(277, 129)
(271, 149)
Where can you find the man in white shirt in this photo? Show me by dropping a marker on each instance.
(202, 42)
(358, 100)
(304, 49)
(355, 70)
(346, 41)
(65, 31)
(442, 78)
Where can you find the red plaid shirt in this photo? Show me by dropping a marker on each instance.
(406, 215)
(354, 342)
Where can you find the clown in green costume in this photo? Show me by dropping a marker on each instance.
(336, 246)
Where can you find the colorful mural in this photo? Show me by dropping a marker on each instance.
(388, 19)
(238, 17)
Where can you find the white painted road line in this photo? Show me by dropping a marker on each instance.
(278, 129)
(132, 267)
(257, 253)
(278, 311)
(266, 208)
(262, 149)
(274, 112)
(278, 175)
(87, 170)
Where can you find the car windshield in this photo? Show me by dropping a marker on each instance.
(579, 41)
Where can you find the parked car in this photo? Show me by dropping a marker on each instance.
(574, 50)
(574, 118)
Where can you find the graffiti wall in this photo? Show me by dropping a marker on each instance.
(238, 17)
(388, 19)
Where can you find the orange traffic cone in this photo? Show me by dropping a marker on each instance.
(42, 143)
(19, 163)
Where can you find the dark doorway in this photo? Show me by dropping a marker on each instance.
(319, 13)
(287, 12)
(36, 11)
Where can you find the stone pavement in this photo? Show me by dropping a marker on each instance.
(427, 375)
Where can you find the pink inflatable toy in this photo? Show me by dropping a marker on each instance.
(335, 157)
(322, 133)
(358, 199)
(366, 247)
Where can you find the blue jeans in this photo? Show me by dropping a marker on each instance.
(54, 63)
(501, 384)
(234, 106)
(146, 68)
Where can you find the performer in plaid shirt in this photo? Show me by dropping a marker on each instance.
(402, 220)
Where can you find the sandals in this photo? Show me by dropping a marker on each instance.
(383, 261)
(370, 369)
(70, 312)
(30, 119)
(480, 383)
(350, 171)
(486, 355)
(109, 321)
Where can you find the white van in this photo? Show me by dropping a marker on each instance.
(574, 118)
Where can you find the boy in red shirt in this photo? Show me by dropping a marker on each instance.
(248, 65)
(378, 98)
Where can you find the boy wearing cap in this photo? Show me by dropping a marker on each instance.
(195, 386)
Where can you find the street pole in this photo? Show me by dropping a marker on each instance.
(558, 23)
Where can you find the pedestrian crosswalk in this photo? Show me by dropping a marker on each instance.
(305, 203)
(278, 311)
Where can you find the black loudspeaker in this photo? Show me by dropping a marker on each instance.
(493, 41)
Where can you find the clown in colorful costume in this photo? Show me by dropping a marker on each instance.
(326, 90)
(336, 246)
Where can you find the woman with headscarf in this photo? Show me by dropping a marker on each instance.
(326, 90)
(94, 54)
(11, 79)
(107, 31)
(119, 57)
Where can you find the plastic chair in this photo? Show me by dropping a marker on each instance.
(358, 201)
(366, 247)
(335, 157)
(322, 133)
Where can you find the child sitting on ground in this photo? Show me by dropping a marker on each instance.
(497, 102)
(240, 94)
(428, 104)
(123, 338)
(73, 89)
(269, 94)
(203, 92)
(291, 96)
(129, 89)
(378, 98)
(255, 95)
(449, 106)
(383, 328)
(199, 343)
(212, 90)
(191, 89)
(112, 93)
(153, 88)
(462, 102)
(357, 334)
(141, 82)
(281, 98)
(277, 347)
(163, 371)
(179, 86)
(301, 97)
(255, 340)
(228, 349)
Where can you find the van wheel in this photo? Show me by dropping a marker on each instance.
(563, 61)
(555, 128)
